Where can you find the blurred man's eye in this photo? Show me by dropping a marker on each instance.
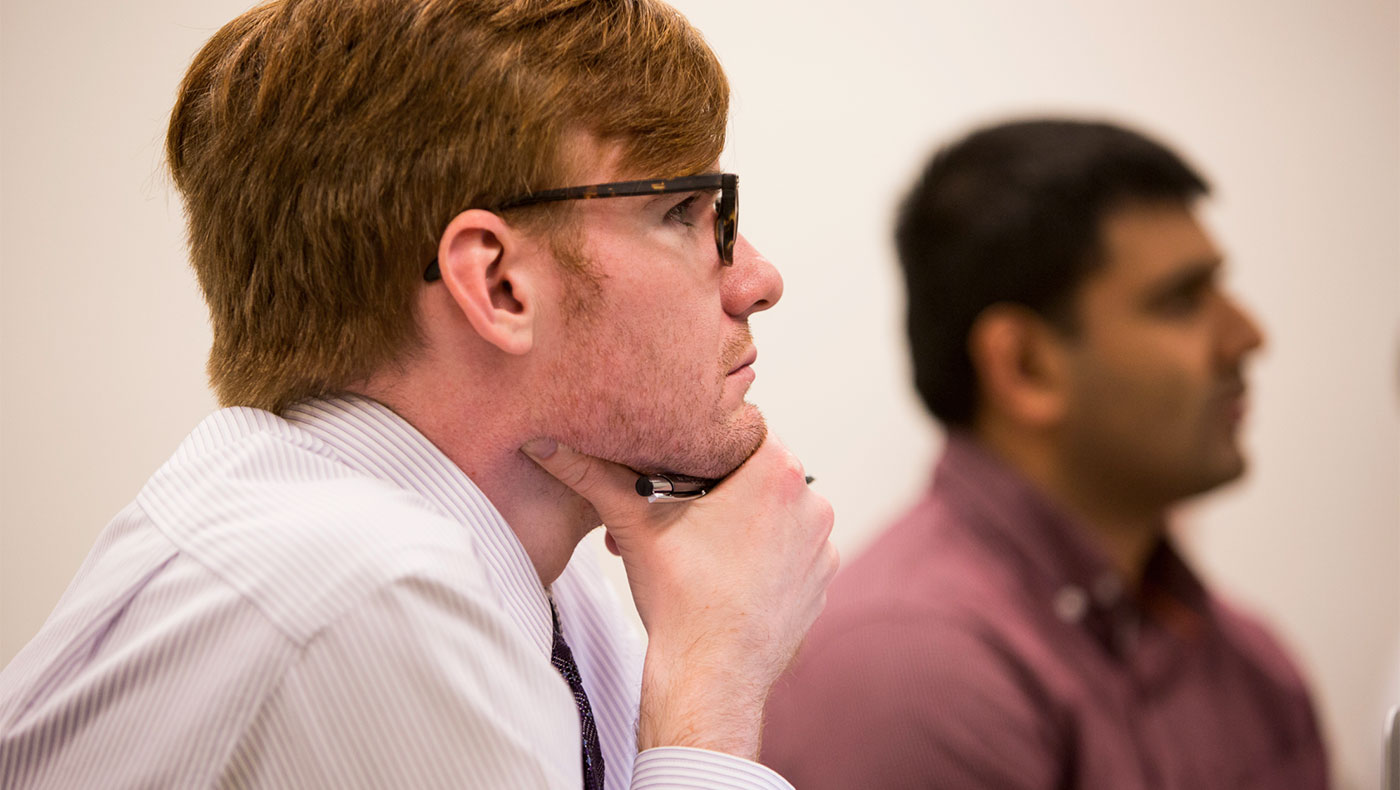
(1183, 302)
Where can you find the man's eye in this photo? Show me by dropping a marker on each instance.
(681, 211)
(1183, 303)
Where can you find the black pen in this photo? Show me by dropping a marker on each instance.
(677, 488)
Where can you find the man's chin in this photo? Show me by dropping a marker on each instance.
(1227, 468)
(745, 438)
(1233, 469)
(721, 455)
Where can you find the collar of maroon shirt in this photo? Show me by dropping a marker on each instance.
(1061, 563)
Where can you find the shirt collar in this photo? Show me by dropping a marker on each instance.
(370, 438)
(1060, 560)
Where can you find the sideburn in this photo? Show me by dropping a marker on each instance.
(583, 281)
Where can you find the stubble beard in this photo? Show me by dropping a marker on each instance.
(654, 418)
(1218, 459)
(1128, 472)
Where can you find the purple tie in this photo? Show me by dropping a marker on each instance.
(563, 660)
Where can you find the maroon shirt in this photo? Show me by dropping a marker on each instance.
(984, 642)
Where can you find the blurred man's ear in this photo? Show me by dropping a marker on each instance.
(1021, 366)
(485, 269)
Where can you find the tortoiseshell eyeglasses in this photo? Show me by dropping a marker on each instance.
(726, 207)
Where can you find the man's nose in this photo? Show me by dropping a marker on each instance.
(1242, 334)
(752, 284)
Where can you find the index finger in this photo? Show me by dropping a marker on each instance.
(609, 487)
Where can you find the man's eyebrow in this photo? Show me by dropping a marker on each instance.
(677, 197)
(1189, 277)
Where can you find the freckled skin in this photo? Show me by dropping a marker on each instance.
(644, 367)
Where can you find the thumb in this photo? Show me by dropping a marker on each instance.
(609, 487)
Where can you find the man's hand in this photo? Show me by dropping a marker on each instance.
(726, 585)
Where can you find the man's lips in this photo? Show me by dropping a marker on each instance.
(1234, 398)
(746, 360)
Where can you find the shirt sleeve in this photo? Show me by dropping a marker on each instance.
(424, 684)
(684, 768)
(900, 705)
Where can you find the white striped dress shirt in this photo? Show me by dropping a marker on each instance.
(323, 599)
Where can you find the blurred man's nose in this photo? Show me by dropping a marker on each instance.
(1241, 334)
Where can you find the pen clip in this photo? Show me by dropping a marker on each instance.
(672, 488)
(676, 496)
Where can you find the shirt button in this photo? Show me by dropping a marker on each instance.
(1071, 603)
(1108, 588)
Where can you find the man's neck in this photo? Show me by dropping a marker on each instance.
(1127, 533)
(482, 437)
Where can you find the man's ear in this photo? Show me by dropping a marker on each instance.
(1021, 365)
(484, 264)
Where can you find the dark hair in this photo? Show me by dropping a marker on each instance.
(1012, 214)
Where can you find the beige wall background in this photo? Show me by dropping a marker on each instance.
(1292, 108)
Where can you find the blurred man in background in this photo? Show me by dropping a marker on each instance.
(1028, 623)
